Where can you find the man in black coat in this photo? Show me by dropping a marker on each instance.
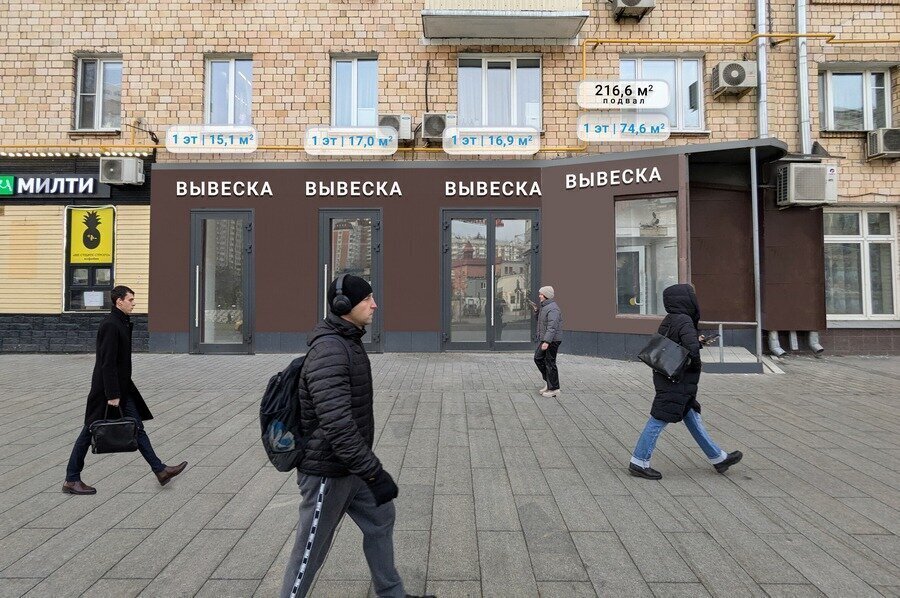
(676, 400)
(111, 386)
(339, 473)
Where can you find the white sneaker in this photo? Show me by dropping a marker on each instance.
(550, 394)
(543, 389)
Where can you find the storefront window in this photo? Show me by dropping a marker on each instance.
(860, 259)
(646, 254)
(90, 241)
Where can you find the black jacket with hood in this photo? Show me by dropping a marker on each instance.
(336, 410)
(673, 399)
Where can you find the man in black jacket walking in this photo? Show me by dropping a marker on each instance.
(111, 386)
(339, 473)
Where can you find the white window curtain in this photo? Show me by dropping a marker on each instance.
(499, 91)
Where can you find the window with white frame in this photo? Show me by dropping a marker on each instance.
(229, 91)
(499, 91)
(860, 262)
(354, 92)
(684, 76)
(854, 100)
(98, 106)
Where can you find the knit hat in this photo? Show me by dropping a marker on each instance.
(547, 292)
(354, 288)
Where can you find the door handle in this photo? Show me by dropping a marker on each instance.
(493, 291)
(197, 298)
(325, 283)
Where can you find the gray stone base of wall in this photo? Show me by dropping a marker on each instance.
(61, 333)
(591, 344)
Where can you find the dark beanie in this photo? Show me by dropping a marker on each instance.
(354, 288)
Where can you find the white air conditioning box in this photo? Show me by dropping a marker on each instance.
(806, 185)
(735, 76)
(122, 171)
(883, 143)
(434, 123)
(402, 123)
(632, 8)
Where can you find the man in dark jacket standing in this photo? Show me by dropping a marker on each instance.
(339, 473)
(111, 386)
(676, 401)
(549, 331)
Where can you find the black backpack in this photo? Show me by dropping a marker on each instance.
(279, 416)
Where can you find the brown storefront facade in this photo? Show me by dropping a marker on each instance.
(240, 254)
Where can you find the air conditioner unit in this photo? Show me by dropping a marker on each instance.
(434, 123)
(632, 8)
(401, 122)
(806, 185)
(122, 171)
(737, 76)
(883, 143)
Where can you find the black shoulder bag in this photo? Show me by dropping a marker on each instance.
(665, 356)
(114, 435)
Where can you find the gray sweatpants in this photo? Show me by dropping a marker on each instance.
(323, 504)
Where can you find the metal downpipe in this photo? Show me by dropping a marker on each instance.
(774, 344)
(814, 342)
(757, 287)
(762, 26)
(803, 81)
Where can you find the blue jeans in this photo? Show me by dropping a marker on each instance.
(83, 443)
(647, 442)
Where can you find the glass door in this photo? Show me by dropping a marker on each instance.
(631, 280)
(490, 273)
(221, 282)
(350, 243)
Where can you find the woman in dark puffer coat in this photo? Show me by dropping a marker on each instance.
(677, 401)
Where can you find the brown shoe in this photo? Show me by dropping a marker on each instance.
(78, 487)
(170, 472)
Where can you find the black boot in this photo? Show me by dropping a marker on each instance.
(730, 460)
(644, 472)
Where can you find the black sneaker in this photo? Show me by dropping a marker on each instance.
(730, 460)
(644, 472)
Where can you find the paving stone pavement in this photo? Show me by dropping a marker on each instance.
(502, 492)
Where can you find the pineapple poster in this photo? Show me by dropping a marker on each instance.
(91, 235)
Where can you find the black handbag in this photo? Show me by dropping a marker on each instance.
(665, 356)
(114, 435)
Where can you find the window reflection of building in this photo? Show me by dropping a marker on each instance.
(341, 232)
(351, 247)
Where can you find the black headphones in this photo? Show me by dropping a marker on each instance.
(340, 305)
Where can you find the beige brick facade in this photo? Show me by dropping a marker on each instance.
(164, 46)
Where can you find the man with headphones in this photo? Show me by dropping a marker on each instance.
(339, 473)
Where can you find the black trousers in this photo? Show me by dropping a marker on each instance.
(546, 362)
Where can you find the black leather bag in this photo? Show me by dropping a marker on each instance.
(114, 435)
(665, 356)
